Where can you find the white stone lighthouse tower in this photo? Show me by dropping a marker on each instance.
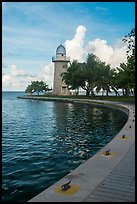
(61, 64)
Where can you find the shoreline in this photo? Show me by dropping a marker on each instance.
(111, 104)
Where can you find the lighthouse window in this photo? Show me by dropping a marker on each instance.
(63, 66)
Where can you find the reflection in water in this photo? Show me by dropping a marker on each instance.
(83, 129)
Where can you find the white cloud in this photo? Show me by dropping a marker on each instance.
(75, 47)
(14, 71)
(6, 81)
(119, 53)
(111, 55)
(18, 78)
(47, 73)
(101, 49)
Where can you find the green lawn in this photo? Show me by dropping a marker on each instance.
(129, 99)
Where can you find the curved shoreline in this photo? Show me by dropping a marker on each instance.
(70, 100)
(91, 173)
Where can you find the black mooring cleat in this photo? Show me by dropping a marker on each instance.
(65, 186)
(107, 152)
(123, 136)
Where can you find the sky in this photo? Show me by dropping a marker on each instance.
(32, 31)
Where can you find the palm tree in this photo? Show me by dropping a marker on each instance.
(90, 72)
(73, 77)
(125, 77)
(106, 79)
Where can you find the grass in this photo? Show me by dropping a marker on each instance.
(128, 99)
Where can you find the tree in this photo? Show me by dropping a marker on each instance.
(73, 76)
(131, 71)
(29, 90)
(125, 78)
(106, 79)
(90, 73)
(130, 40)
(83, 75)
(37, 86)
(131, 60)
(121, 78)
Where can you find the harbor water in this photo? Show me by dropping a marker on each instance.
(42, 141)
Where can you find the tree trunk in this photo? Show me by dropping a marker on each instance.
(106, 92)
(77, 92)
(123, 92)
(118, 94)
(87, 92)
(92, 93)
(133, 92)
(126, 92)
(102, 92)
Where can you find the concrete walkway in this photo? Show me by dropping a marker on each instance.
(119, 185)
(102, 178)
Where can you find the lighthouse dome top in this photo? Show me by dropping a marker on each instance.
(61, 50)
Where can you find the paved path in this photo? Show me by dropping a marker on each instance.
(119, 185)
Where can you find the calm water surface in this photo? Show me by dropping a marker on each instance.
(43, 141)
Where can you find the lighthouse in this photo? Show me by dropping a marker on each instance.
(60, 65)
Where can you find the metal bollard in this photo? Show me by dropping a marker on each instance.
(65, 186)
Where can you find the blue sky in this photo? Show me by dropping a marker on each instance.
(31, 32)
